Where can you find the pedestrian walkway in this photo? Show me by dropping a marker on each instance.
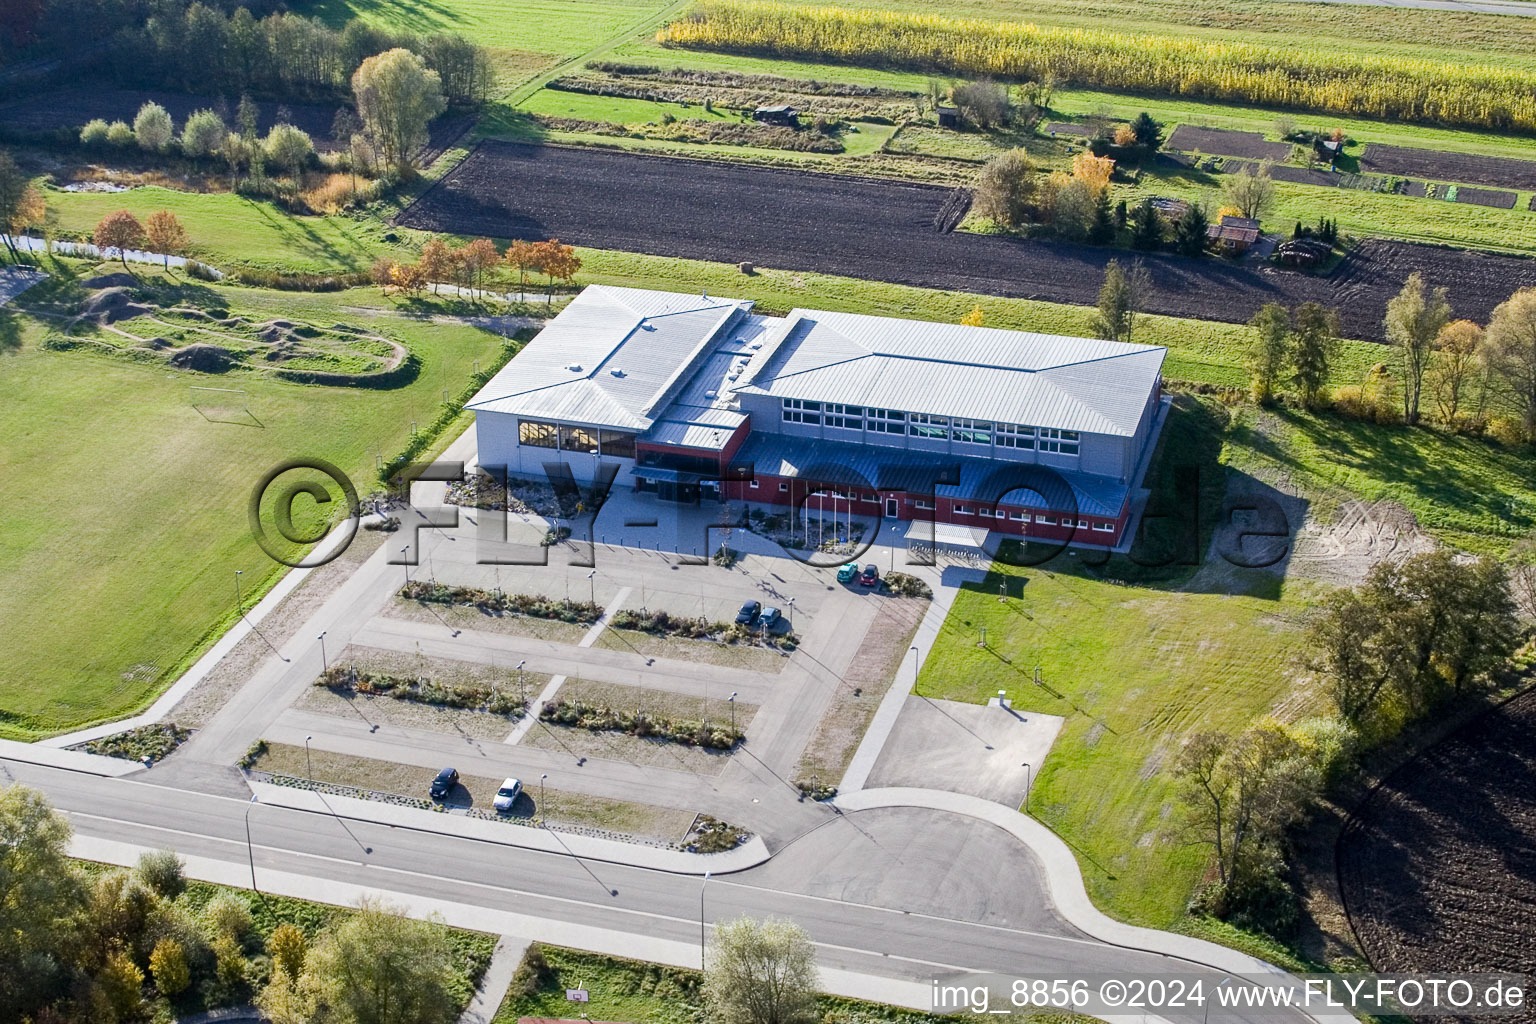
(496, 981)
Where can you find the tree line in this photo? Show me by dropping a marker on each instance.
(1414, 638)
(472, 265)
(114, 945)
(1459, 372)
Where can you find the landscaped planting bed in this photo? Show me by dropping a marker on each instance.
(1429, 163)
(491, 699)
(884, 231)
(147, 742)
(716, 735)
(1438, 868)
(496, 602)
(1190, 137)
(661, 623)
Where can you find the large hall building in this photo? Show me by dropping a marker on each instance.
(700, 398)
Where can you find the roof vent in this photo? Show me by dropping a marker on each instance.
(711, 394)
(732, 376)
(617, 372)
(574, 367)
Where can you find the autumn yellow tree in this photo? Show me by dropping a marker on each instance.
(1460, 345)
(437, 262)
(975, 318)
(478, 258)
(522, 256)
(165, 234)
(1093, 170)
(558, 263)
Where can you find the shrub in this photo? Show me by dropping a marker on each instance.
(168, 966)
(287, 946)
(228, 914)
(1507, 430)
(907, 585)
(121, 982)
(94, 133)
(533, 974)
(163, 871)
(203, 135)
(153, 128)
(119, 134)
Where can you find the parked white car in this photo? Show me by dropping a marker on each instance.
(507, 795)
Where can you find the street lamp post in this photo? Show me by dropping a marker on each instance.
(250, 851)
(917, 663)
(541, 795)
(325, 666)
(1029, 778)
(592, 586)
(1002, 591)
(406, 562)
(239, 601)
(732, 700)
(702, 886)
(791, 613)
(522, 686)
(309, 765)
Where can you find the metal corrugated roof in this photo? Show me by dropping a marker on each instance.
(1039, 380)
(897, 469)
(610, 358)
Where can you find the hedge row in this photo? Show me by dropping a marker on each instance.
(493, 601)
(601, 718)
(345, 678)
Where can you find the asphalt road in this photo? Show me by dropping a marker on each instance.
(863, 937)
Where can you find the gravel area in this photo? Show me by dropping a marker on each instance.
(205, 700)
(757, 659)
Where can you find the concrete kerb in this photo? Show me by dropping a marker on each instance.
(1064, 883)
(613, 851)
(852, 984)
(70, 760)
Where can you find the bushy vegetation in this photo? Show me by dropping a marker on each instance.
(89, 944)
(147, 741)
(491, 699)
(495, 602)
(1332, 80)
(603, 718)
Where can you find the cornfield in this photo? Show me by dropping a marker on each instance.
(1334, 82)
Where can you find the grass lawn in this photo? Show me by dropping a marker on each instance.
(645, 993)
(233, 231)
(124, 505)
(1136, 667)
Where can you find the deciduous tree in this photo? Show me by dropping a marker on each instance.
(1460, 346)
(522, 256)
(1270, 350)
(437, 262)
(558, 263)
(203, 135)
(1314, 345)
(1511, 341)
(381, 967)
(289, 148)
(121, 231)
(1413, 322)
(1093, 170)
(397, 96)
(761, 972)
(153, 128)
(168, 966)
(1252, 193)
(984, 104)
(478, 258)
(1005, 187)
(1121, 298)
(165, 234)
(42, 897)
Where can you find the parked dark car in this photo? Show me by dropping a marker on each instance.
(870, 576)
(443, 784)
(749, 613)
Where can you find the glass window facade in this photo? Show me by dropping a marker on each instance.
(796, 411)
(846, 417)
(920, 424)
(535, 434)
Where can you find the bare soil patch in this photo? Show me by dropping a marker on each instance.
(1223, 142)
(1497, 171)
(1438, 867)
(465, 617)
(1361, 536)
(615, 746)
(1496, 198)
(886, 648)
(707, 652)
(882, 230)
